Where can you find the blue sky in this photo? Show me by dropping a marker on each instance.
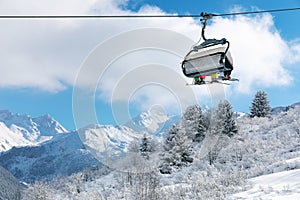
(40, 63)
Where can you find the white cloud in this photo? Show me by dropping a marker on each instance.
(46, 54)
(261, 56)
(294, 55)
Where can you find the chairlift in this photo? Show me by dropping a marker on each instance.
(209, 57)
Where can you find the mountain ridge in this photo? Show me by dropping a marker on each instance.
(22, 130)
(60, 151)
(49, 159)
(52, 157)
(279, 109)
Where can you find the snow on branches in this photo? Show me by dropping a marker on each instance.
(260, 105)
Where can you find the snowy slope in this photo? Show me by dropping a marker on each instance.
(108, 139)
(282, 185)
(108, 144)
(271, 148)
(8, 138)
(22, 130)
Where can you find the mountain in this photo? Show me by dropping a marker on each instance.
(22, 130)
(263, 146)
(9, 185)
(280, 109)
(36, 149)
(63, 155)
(153, 121)
(108, 139)
(9, 139)
(69, 153)
(238, 115)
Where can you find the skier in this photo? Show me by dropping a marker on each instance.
(228, 66)
(199, 79)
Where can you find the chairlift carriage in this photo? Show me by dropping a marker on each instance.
(209, 57)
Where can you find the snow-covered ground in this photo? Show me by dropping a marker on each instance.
(281, 185)
(261, 162)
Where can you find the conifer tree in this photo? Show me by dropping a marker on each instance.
(260, 105)
(214, 131)
(170, 135)
(146, 148)
(222, 127)
(225, 113)
(193, 123)
(177, 150)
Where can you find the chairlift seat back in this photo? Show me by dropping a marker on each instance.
(205, 61)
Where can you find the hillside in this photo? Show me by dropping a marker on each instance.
(280, 185)
(10, 188)
(264, 149)
(261, 161)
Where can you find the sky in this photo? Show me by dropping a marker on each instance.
(106, 71)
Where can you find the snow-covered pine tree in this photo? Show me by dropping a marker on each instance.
(146, 147)
(189, 120)
(260, 105)
(228, 123)
(222, 127)
(169, 136)
(201, 128)
(177, 150)
(193, 123)
(165, 167)
(207, 115)
(181, 151)
(214, 131)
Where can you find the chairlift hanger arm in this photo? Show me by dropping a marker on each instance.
(205, 17)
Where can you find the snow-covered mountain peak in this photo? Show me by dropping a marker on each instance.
(22, 130)
(152, 117)
(154, 120)
(20, 120)
(44, 125)
(5, 114)
(48, 125)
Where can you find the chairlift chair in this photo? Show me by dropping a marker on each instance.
(207, 58)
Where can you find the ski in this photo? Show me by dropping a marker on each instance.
(207, 83)
(217, 81)
(223, 78)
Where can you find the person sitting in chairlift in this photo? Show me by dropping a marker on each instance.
(199, 79)
(228, 66)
